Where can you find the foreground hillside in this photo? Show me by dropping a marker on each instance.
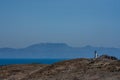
(18, 72)
(103, 68)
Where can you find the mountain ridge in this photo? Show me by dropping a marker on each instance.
(56, 50)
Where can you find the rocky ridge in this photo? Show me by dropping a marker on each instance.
(103, 68)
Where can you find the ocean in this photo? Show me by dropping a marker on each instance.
(29, 61)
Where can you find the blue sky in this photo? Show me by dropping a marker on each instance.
(75, 22)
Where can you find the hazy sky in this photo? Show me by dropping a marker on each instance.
(75, 22)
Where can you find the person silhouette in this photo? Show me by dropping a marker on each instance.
(96, 55)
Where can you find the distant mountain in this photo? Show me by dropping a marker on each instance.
(56, 50)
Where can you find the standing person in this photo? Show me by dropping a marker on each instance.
(96, 55)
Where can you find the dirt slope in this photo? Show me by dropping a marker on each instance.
(80, 69)
(102, 68)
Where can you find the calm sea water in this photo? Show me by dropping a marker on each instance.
(29, 61)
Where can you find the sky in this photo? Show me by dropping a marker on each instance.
(75, 22)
